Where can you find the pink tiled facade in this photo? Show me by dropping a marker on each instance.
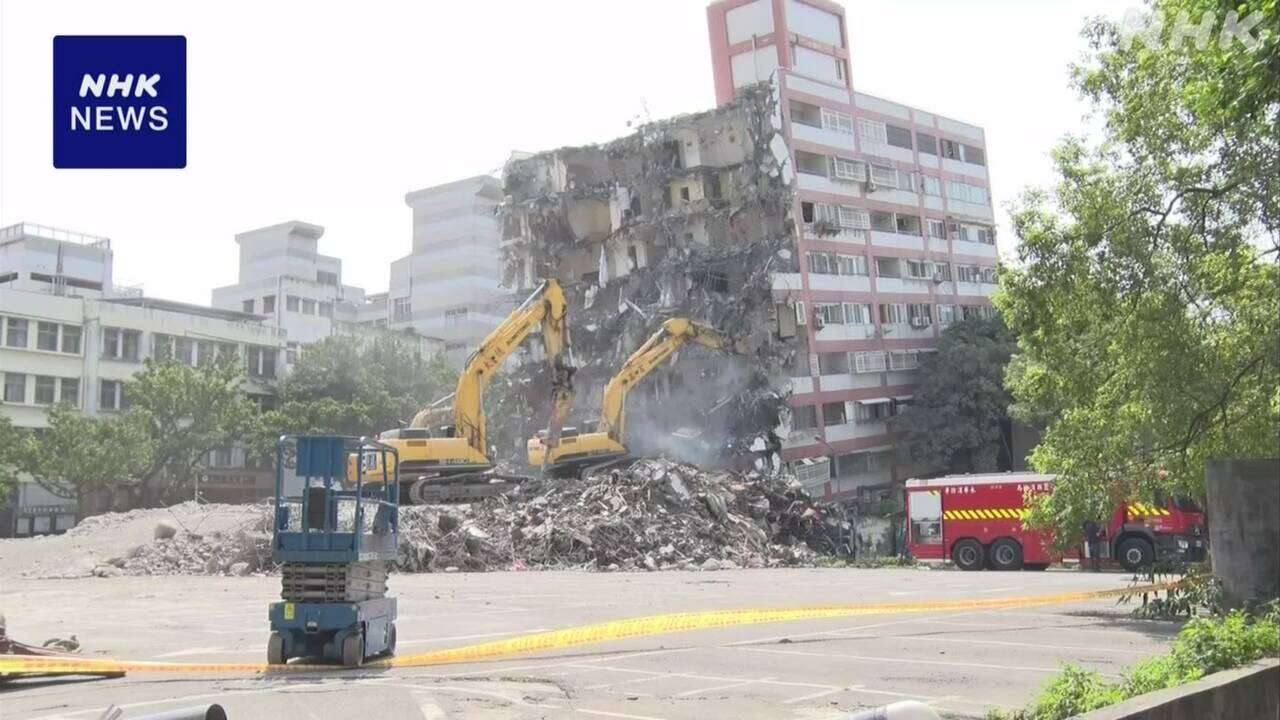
(895, 233)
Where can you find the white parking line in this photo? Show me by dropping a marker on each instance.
(726, 686)
(1008, 643)
(816, 695)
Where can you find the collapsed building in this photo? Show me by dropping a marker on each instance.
(689, 216)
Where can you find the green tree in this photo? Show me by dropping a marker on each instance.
(80, 454)
(958, 419)
(340, 385)
(12, 443)
(1146, 296)
(188, 412)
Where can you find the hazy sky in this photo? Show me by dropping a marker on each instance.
(305, 110)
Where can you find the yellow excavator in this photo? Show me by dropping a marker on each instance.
(443, 453)
(571, 451)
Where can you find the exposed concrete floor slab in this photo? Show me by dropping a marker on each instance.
(958, 661)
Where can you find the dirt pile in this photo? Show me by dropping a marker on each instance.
(652, 514)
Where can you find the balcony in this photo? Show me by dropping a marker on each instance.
(822, 136)
(900, 331)
(846, 332)
(852, 431)
(824, 184)
(964, 247)
(897, 240)
(849, 381)
(844, 283)
(902, 285)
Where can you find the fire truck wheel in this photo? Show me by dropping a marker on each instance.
(1006, 554)
(1135, 553)
(967, 554)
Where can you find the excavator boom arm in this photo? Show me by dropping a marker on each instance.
(545, 307)
(665, 341)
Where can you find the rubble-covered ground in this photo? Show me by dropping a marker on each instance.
(653, 514)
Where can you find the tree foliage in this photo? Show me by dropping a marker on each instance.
(188, 412)
(1146, 297)
(346, 387)
(80, 454)
(958, 419)
(12, 442)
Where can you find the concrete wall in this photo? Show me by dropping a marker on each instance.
(1244, 527)
(1248, 693)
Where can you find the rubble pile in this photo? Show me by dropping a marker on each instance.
(653, 514)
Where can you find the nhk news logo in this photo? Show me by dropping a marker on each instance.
(119, 101)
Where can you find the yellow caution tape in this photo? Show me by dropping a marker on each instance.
(572, 637)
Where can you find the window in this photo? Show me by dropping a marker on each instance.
(833, 363)
(161, 346)
(831, 313)
(261, 361)
(46, 389)
(292, 302)
(851, 264)
(47, 336)
(822, 263)
(291, 353)
(326, 309)
(974, 155)
(838, 121)
(932, 186)
(976, 234)
(227, 352)
(904, 359)
(941, 270)
(847, 170)
(308, 306)
(937, 228)
(853, 218)
(811, 163)
(120, 344)
(15, 387)
(946, 314)
(857, 314)
(402, 309)
(950, 149)
(833, 413)
(865, 413)
(888, 267)
(248, 305)
(872, 132)
(220, 458)
(804, 417)
(883, 221)
(985, 312)
(17, 332)
(110, 395)
(184, 350)
(905, 180)
(455, 316)
(71, 339)
(897, 136)
(907, 224)
(893, 313)
(926, 143)
(70, 391)
(864, 362)
(268, 304)
(926, 517)
(884, 175)
(965, 192)
(803, 113)
(920, 314)
(918, 269)
(325, 277)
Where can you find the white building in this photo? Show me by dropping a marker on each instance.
(45, 259)
(449, 286)
(69, 340)
(285, 280)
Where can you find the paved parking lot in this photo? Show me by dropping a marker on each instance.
(961, 662)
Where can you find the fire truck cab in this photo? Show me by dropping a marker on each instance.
(976, 522)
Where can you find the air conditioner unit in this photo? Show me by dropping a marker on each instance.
(871, 186)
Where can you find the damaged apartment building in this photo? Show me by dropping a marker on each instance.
(688, 217)
(840, 231)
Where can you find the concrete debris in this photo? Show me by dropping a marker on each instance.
(654, 514)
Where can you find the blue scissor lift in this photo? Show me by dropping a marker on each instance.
(335, 539)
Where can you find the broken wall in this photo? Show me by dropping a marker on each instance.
(688, 217)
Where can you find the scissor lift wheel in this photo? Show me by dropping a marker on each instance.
(275, 649)
(353, 650)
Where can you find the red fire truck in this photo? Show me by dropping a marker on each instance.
(976, 521)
